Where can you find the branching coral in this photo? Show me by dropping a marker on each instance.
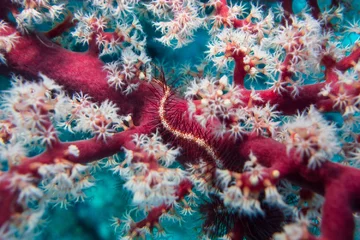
(259, 161)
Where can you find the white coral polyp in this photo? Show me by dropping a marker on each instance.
(37, 12)
(64, 183)
(313, 139)
(151, 184)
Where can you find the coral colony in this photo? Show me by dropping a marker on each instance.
(244, 138)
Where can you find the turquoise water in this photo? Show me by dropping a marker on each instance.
(91, 219)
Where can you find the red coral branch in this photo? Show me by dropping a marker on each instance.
(334, 181)
(62, 27)
(339, 184)
(90, 150)
(349, 61)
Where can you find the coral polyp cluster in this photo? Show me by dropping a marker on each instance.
(255, 139)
